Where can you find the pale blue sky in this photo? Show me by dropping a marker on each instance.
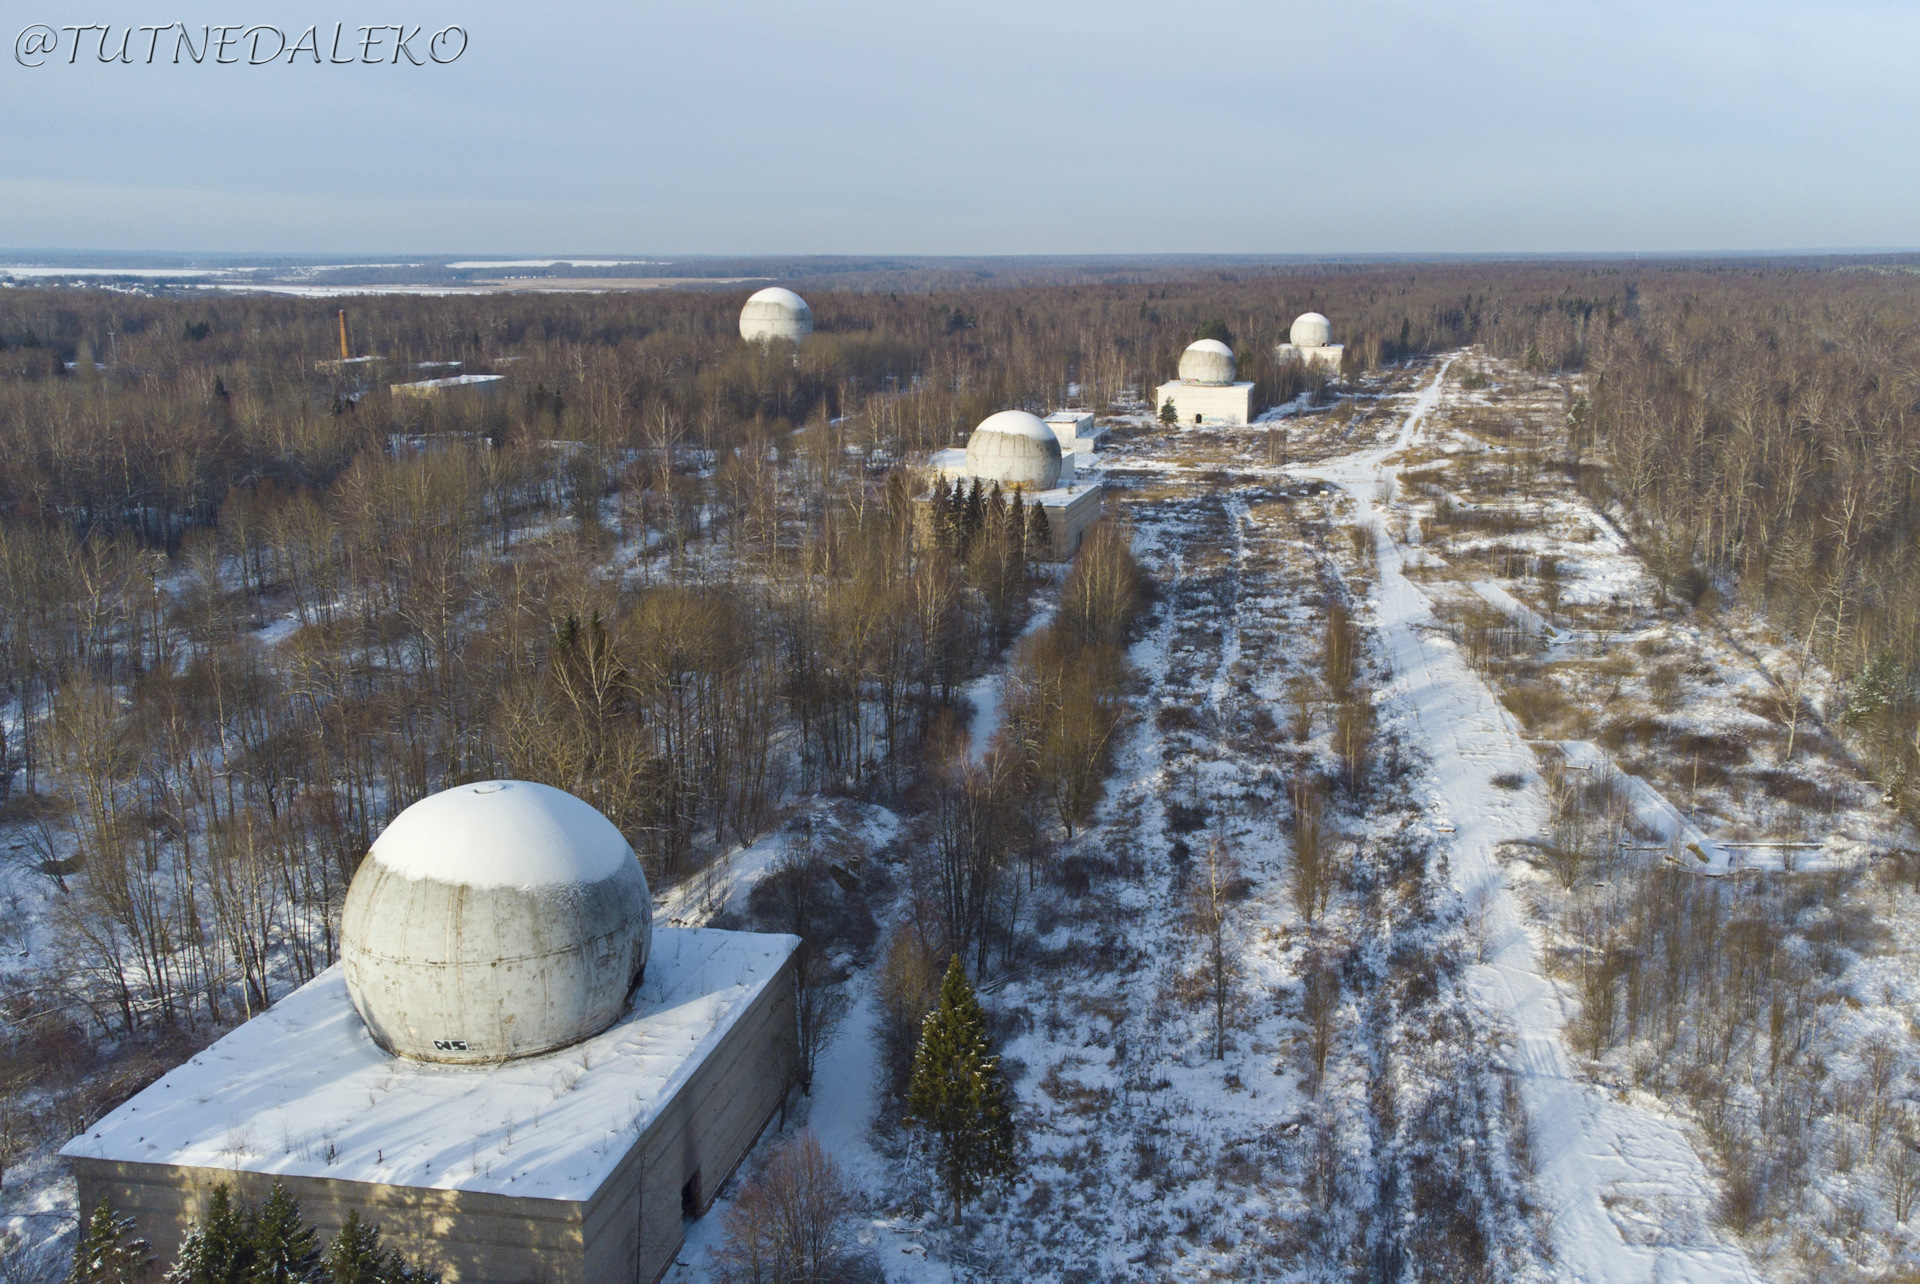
(986, 127)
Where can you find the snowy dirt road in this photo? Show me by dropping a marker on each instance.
(1631, 1199)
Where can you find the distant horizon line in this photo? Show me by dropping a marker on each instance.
(65, 257)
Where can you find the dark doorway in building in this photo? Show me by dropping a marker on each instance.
(690, 1202)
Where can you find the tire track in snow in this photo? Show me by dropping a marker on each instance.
(1236, 509)
(1596, 1154)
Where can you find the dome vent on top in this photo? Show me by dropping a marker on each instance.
(494, 920)
(1207, 361)
(1015, 448)
(1311, 330)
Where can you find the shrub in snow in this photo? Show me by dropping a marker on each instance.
(792, 1222)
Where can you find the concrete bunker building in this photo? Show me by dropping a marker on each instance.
(1205, 392)
(1043, 460)
(1310, 342)
(509, 1070)
(465, 385)
(775, 313)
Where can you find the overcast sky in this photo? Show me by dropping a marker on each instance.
(986, 127)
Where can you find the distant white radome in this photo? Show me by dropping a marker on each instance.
(494, 920)
(1015, 448)
(1207, 361)
(776, 313)
(1311, 330)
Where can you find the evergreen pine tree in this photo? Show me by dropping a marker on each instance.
(958, 1095)
(1017, 526)
(107, 1253)
(970, 521)
(956, 517)
(219, 1250)
(1039, 533)
(939, 506)
(1168, 415)
(1215, 329)
(356, 1257)
(399, 1272)
(285, 1251)
(190, 1263)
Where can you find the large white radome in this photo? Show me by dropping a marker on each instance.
(1207, 361)
(1015, 448)
(494, 920)
(776, 313)
(1311, 330)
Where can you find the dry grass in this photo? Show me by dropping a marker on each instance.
(1543, 709)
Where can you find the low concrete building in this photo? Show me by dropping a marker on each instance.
(350, 365)
(1015, 450)
(1205, 392)
(510, 1072)
(474, 385)
(1077, 432)
(573, 1167)
(1208, 404)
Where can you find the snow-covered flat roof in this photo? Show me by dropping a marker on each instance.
(1062, 496)
(302, 1090)
(453, 381)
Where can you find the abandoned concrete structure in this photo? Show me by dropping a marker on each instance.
(775, 313)
(1019, 451)
(573, 1165)
(1310, 341)
(1079, 435)
(1205, 392)
(466, 385)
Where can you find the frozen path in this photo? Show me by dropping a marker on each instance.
(988, 692)
(1632, 1202)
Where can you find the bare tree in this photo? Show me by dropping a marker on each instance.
(1312, 862)
(1319, 1003)
(791, 1223)
(821, 1003)
(1212, 905)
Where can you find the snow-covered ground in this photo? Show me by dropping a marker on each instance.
(1720, 746)
(1631, 1200)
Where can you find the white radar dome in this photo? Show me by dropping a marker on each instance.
(776, 313)
(1207, 361)
(1311, 330)
(494, 920)
(1015, 448)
